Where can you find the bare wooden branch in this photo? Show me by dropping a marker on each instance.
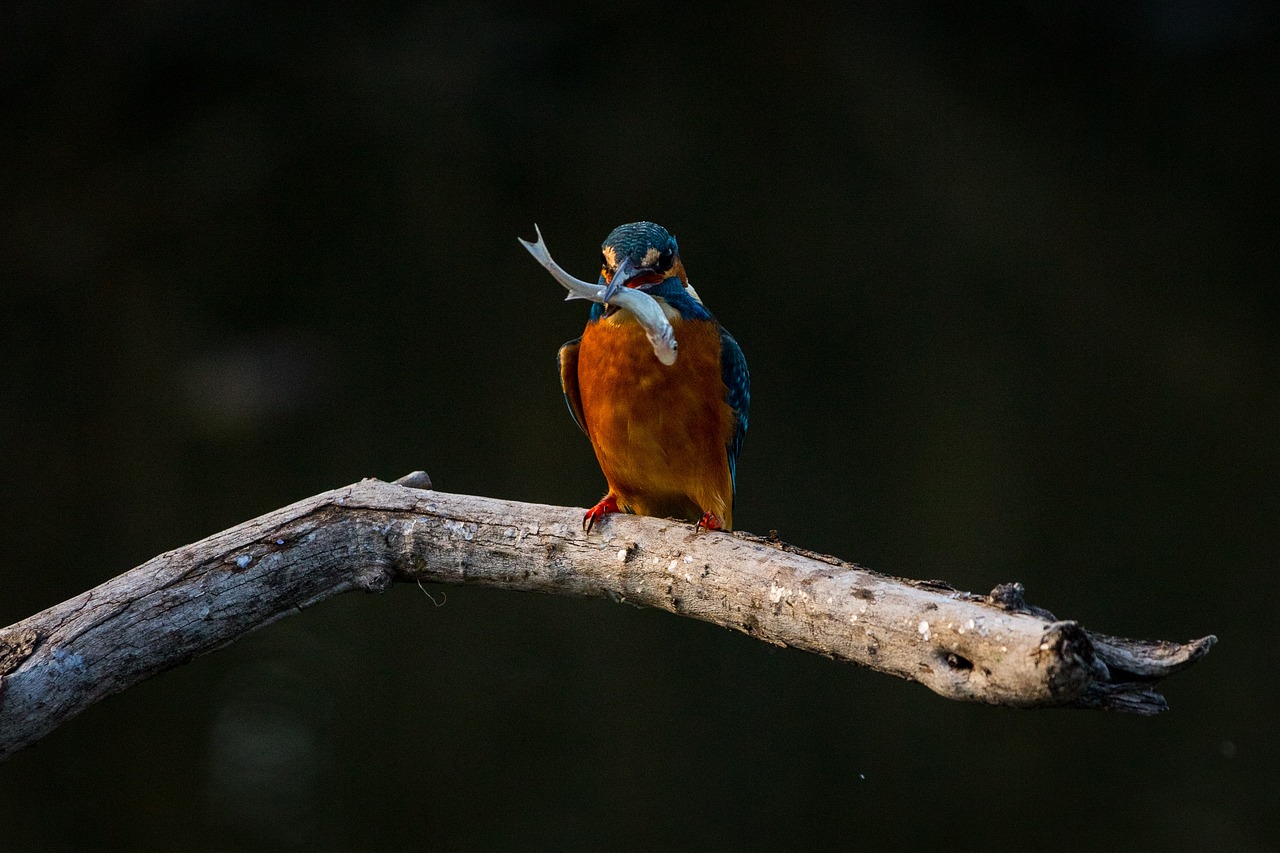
(993, 649)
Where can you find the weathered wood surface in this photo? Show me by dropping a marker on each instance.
(195, 599)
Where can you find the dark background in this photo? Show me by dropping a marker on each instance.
(1003, 281)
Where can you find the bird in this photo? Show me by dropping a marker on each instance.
(667, 438)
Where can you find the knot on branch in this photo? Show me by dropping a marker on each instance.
(15, 647)
(415, 480)
(1067, 653)
(1012, 597)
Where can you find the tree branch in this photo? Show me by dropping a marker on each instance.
(994, 649)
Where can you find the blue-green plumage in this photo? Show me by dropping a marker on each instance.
(636, 238)
(737, 383)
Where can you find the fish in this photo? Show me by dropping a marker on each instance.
(642, 306)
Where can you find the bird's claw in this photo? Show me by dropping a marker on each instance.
(608, 504)
(709, 521)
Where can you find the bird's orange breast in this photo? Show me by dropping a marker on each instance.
(659, 432)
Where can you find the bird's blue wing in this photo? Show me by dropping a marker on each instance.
(737, 382)
(568, 360)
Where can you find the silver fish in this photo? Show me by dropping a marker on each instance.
(646, 310)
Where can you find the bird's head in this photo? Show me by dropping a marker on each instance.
(639, 255)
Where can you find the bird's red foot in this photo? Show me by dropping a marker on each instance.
(710, 521)
(607, 505)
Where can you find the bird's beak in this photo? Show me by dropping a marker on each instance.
(624, 273)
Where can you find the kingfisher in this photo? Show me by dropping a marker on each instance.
(667, 437)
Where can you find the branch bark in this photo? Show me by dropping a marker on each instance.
(994, 649)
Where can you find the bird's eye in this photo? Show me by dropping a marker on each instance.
(664, 261)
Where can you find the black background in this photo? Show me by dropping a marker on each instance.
(1003, 282)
